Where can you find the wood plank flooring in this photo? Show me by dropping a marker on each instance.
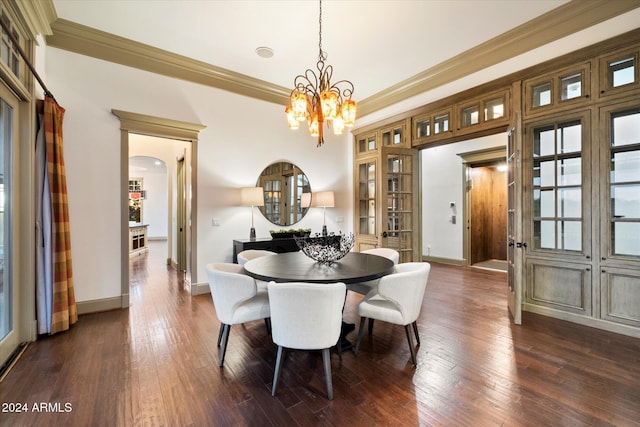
(155, 364)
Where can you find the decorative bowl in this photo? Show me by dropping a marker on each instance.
(326, 249)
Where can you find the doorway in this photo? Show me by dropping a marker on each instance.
(487, 219)
(485, 208)
(134, 123)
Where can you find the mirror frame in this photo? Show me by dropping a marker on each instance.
(283, 184)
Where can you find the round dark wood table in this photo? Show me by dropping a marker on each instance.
(354, 267)
(297, 267)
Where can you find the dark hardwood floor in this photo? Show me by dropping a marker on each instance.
(155, 364)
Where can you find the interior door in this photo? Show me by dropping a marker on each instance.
(400, 223)
(515, 244)
(181, 217)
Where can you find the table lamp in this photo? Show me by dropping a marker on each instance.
(324, 199)
(252, 196)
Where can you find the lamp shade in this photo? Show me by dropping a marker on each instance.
(324, 199)
(252, 196)
(305, 200)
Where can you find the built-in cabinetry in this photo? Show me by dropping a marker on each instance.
(386, 196)
(137, 239)
(575, 170)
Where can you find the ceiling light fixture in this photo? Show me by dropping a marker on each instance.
(315, 99)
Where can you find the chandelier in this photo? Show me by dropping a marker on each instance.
(315, 99)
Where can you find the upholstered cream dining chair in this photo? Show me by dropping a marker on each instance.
(397, 300)
(236, 299)
(366, 287)
(306, 316)
(249, 254)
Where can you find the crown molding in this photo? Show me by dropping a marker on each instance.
(560, 22)
(158, 126)
(36, 16)
(88, 41)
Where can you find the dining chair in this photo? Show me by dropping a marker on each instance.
(249, 254)
(236, 299)
(397, 300)
(366, 287)
(306, 316)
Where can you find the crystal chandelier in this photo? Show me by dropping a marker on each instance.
(315, 99)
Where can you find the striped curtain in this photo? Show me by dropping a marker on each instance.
(64, 312)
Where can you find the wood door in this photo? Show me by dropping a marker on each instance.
(400, 221)
(515, 245)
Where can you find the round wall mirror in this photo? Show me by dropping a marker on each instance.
(283, 184)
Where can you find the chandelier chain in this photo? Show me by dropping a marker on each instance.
(322, 56)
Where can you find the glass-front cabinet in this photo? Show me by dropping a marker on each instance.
(561, 89)
(385, 182)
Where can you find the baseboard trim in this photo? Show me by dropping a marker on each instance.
(450, 261)
(104, 304)
(583, 320)
(199, 288)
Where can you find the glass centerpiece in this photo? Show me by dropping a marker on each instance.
(326, 249)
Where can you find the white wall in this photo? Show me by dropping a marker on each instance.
(443, 183)
(242, 136)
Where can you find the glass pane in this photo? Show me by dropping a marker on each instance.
(625, 201)
(441, 124)
(423, 129)
(493, 109)
(544, 142)
(470, 116)
(6, 294)
(371, 188)
(625, 167)
(626, 238)
(547, 204)
(570, 235)
(622, 72)
(547, 174)
(544, 234)
(371, 171)
(541, 95)
(626, 129)
(571, 86)
(371, 144)
(570, 137)
(569, 203)
(386, 138)
(570, 171)
(397, 136)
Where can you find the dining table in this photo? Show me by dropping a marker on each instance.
(354, 267)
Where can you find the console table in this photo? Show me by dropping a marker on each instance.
(266, 243)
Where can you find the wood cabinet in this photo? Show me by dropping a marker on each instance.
(274, 245)
(386, 191)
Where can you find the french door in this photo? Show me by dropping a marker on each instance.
(9, 293)
(515, 244)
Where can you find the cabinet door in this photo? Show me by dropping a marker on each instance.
(399, 221)
(367, 207)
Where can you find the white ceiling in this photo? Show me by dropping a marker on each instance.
(375, 44)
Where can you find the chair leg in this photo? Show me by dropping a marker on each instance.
(415, 331)
(411, 349)
(267, 322)
(371, 326)
(326, 361)
(362, 319)
(276, 374)
(339, 348)
(223, 347)
(220, 333)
